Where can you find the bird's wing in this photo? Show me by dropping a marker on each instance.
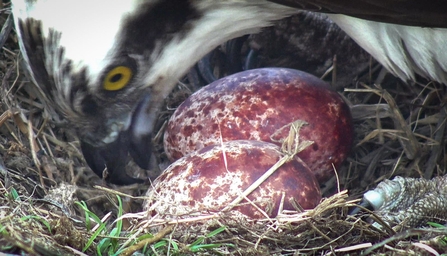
(405, 12)
(406, 36)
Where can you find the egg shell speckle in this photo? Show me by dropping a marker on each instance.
(200, 182)
(255, 104)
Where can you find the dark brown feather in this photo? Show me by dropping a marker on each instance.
(405, 12)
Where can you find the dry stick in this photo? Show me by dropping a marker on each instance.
(318, 231)
(142, 243)
(5, 116)
(436, 149)
(410, 144)
(258, 182)
(116, 192)
(17, 76)
(298, 146)
(34, 149)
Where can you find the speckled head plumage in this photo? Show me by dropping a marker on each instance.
(94, 74)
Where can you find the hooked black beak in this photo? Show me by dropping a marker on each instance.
(114, 157)
(136, 141)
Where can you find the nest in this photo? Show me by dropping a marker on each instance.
(52, 204)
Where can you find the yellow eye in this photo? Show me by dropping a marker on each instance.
(117, 78)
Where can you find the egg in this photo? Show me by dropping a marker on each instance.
(261, 104)
(210, 179)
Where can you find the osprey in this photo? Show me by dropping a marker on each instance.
(106, 66)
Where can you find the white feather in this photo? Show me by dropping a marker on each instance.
(403, 50)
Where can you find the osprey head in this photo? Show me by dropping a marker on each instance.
(94, 62)
(106, 67)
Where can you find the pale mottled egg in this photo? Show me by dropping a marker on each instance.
(206, 181)
(261, 103)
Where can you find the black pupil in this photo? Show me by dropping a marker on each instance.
(115, 78)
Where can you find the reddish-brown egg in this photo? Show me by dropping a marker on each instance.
(206, 181)
(256, 104)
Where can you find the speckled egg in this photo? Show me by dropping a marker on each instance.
(260, 105)
(206, 181)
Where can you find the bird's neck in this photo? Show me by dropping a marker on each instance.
(220, 21)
